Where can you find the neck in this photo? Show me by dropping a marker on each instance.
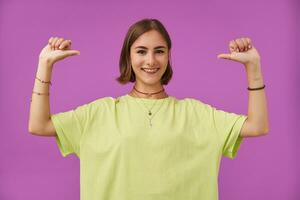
(148, 89)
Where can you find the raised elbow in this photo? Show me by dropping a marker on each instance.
(265, 131)
(42, 130)
(262, 132)
(261, 129)
(33, 130)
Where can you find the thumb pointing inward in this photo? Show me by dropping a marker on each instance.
(73, 52)
(224, 56)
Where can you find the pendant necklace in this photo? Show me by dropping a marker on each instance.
(150, 114)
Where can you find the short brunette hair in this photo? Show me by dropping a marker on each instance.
(136, 30)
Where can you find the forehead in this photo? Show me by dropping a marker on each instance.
(150, 39)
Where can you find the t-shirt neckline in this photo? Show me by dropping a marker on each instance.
(147, 100)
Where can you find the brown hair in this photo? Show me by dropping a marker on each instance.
(135, 30)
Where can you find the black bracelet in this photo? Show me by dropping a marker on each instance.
(259, 88)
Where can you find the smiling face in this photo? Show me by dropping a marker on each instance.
(149, 59)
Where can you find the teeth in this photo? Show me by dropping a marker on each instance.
(150, 70)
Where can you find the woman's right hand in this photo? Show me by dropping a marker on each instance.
(57, 49)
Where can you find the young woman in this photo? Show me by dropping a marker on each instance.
(147, 144)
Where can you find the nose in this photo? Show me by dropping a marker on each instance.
(150, 59)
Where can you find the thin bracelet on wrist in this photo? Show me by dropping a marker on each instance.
(39, 93)
(42, 81)
(259, 88)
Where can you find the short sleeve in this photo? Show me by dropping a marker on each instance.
(69, 127)
(228, 126)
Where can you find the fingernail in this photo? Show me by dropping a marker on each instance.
(249, 46)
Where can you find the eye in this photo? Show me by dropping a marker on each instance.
(141, 52)
(160, 51)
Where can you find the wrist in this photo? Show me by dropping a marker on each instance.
(44, 70)
(253, 70)
(255, 81)
(253, 66)
(43, 62)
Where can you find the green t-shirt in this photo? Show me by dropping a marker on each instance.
(122, 157)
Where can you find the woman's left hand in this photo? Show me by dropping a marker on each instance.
(242, 50)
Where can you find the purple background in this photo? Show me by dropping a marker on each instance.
(32, 167)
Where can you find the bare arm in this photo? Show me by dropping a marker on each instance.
(39, 117)
(40, 122)
(257, 123)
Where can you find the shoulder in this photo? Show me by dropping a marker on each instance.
(198, 107)
(107, 101)
(193, 102)
(98, 103)
(104, 100)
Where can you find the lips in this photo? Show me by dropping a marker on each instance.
(150, 70)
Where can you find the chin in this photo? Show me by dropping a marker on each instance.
(149, 81)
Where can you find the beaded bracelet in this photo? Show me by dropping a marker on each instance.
(39, 93)
(49, 82)
(259, 88)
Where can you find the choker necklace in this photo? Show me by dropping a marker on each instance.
(149, 94)
(150, 116)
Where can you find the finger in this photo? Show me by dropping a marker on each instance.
(72, 52)
(58, 42)
(65, 44)
(224, 56)
(53, 42)
(245, 44)
(249, 43)
(240, 44)
(232, 46)
(236, 46)
(50, 40)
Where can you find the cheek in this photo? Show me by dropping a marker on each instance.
(135, 61)
(136, 64)
(164, 61)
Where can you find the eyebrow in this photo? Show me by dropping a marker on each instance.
(158, 47)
